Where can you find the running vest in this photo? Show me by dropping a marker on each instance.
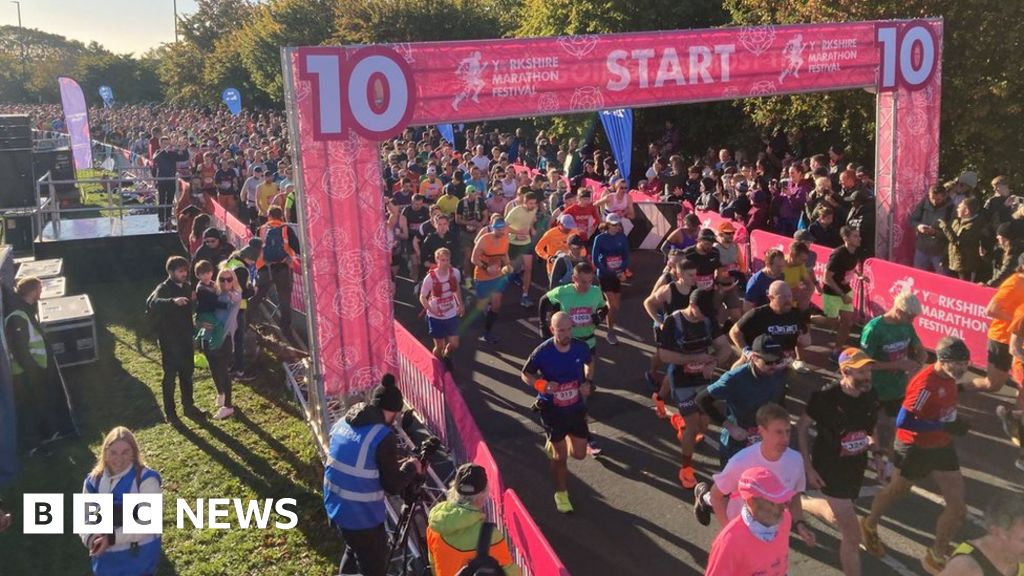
(986, 565)
(444, 291)
(36, 345)
(139, 557)
(493, 251)
(616, 206)
(353, 496)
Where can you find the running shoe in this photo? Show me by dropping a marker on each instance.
(525, 302)
(870, 541)
(931, 563)
(1011, 426)
(701, 511)
(659, 406)
(224, 412)
(800, 366)
(593, 448)
(549, 449)
(516, 279)
(613, 339)
(562, 503)
(628, 273)
(489, 338)
(687, 477)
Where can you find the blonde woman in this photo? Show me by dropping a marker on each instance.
(219, 346)
(120, 470)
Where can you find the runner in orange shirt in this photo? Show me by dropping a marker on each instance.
(491, 267)
(1008, 299)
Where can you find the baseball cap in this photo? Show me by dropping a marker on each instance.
(470, 480)
(726, 227)
(760, 482)
(567, 221)
(577, 240)
(613, 219)
(708, 234)
(952, 350)
(499, 224)
(432, 170)
(854, 358)
(767, 347)
(470, 189)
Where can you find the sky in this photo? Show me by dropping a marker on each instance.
(119, 25)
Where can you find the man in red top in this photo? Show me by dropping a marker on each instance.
(924, 448)
(585, 214)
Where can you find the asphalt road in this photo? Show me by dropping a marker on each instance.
(632, 517)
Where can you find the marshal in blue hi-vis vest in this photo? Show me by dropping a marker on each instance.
(353, 495)
(132, 559)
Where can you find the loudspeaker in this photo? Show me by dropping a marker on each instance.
(16, 181)
(60, 163)
(18, 230)
(15, 132)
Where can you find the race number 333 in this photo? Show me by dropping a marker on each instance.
(369, 90)
(910, 55)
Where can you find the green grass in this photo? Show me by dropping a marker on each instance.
(265, 452)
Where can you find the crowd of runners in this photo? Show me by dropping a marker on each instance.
(727, 337)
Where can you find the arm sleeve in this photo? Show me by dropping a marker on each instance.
(908, 421)
(393, 477)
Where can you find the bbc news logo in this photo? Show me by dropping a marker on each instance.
(144, 514)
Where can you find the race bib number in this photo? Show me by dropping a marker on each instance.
(521, 237)
(581, 316)
(614, 262)
(566, 394)
(853, 443)
(705, 282)
(446, 303)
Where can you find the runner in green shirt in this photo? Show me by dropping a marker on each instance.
(581, 300)
(891, 341)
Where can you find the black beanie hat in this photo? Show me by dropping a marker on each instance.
(387, 396)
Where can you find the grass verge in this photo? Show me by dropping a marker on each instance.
(266, 451)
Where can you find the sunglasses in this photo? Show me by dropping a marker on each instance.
(770, 362)
(225, 280)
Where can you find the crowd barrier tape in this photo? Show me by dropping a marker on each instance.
(422, 381)
(531, 550)
(950, 306)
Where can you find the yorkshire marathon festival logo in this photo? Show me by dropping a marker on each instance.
(144, 514)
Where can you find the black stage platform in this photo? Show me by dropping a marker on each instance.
(106, 248)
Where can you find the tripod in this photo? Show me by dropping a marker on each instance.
(410, 520)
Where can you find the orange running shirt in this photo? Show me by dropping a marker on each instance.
(494, 251)
(1009, 298)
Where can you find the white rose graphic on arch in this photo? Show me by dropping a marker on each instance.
(757, 39)
(366, 378)
(346, 357)
(349, 304)
(339, 182)
(356, 264)
(578, 45)
(762, 88)
(547, 103)
(587, 98)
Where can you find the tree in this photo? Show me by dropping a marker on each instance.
(279, 23)
(982, 79)
(383, 21)
(213, 20)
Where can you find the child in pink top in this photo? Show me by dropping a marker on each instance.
(756, 541)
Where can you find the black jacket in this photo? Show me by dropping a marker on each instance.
(173, 321)
(393, 477)
(165, 162)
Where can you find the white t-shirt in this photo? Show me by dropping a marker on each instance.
(789, 468)
(482, 162)
(447, 303)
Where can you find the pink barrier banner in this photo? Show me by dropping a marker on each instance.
(420, 377)
(712, 220)
(238, 234)
(951, 307)
(535, 552)
(761, 242)
(495, 486)
(462, 419)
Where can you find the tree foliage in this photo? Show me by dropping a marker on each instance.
(982, 78)
(379, 21)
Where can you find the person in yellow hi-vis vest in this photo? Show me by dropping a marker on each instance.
(454, 529)
(37, 422)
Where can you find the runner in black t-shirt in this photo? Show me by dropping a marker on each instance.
(412, 218)
(470, 215)
(844, 414)
(837, 299)
(788, 325)
(706, 257)
(687, 344)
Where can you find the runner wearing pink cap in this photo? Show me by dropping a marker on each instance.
(756, 541)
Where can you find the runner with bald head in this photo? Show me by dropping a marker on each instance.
(779, 318)
(560, 371)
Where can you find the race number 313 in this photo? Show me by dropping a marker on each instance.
(369, 90)
(909, 55)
